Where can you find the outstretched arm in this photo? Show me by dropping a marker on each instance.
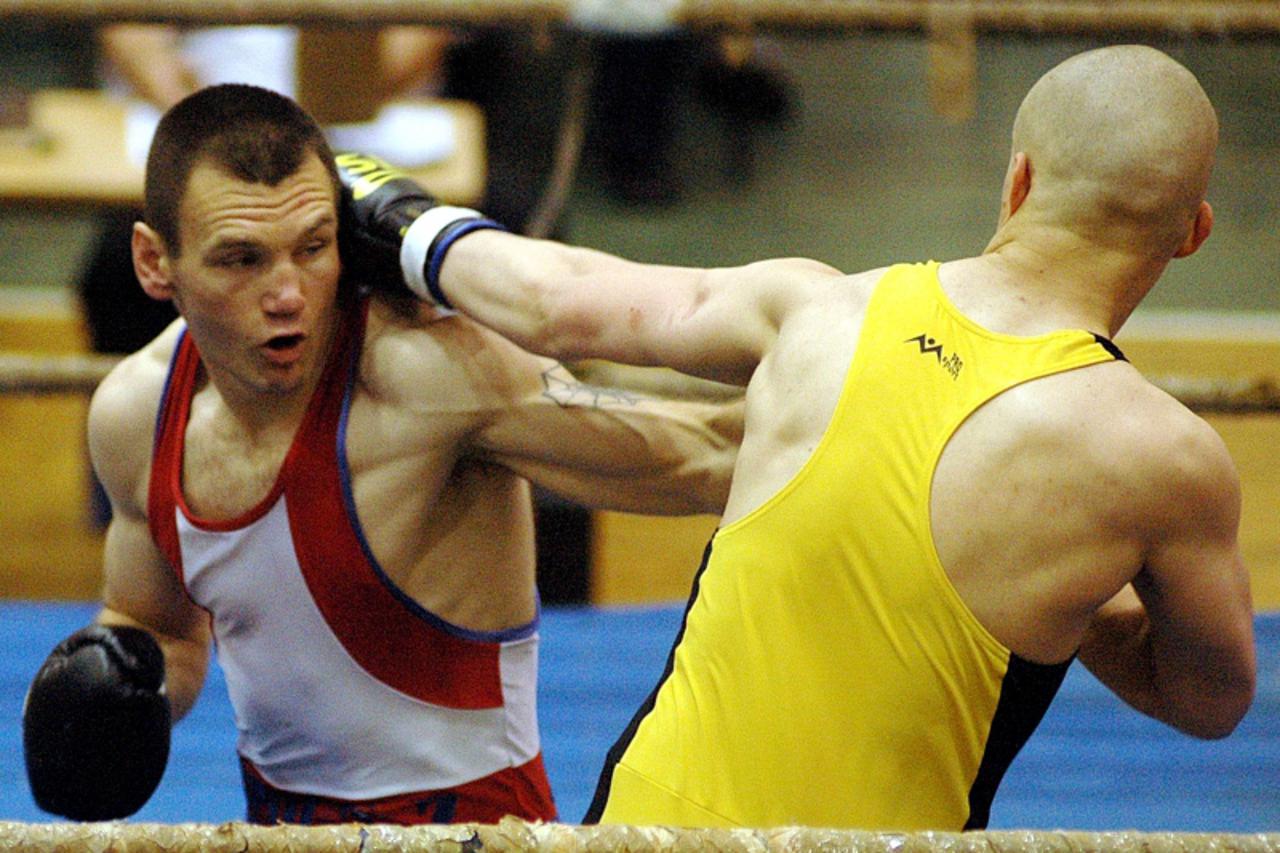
(565, 302)
(572, 303)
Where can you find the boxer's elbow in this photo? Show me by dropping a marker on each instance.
(719, 477)
(710, 474)
(1213, 712)
(1218, 718)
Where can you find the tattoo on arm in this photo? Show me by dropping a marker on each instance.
(563, 387)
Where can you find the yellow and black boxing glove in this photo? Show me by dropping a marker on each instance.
(393, 232)
(96, 724)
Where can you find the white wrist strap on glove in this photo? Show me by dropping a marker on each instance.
(425, 243)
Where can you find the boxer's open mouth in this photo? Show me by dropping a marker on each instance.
(284, 342)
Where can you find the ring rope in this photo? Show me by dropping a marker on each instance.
(1208, 17)
(27, 373)
(512, 834)
(578, 85)
(1222, 395)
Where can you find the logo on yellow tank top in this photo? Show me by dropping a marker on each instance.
(951, 363)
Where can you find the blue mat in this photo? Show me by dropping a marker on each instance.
(1093, 764)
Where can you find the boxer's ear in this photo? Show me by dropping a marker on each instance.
(151, 262)
(1199, 232)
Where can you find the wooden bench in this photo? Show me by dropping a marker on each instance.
(73, 153)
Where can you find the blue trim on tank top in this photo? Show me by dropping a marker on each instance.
(168, 387)
(519, 632)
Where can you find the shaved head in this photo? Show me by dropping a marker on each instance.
(1120, 143)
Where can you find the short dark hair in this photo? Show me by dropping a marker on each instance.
(254, 134)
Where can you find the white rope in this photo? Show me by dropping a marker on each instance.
(517, 835)
(1206, 17)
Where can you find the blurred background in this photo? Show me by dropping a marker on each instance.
(858, 147)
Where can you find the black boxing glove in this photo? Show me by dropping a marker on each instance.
(394, 230)
(95, 724)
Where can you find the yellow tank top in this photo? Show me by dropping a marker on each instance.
(827, 672)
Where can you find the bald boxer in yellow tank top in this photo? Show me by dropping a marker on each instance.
(826, 649)
(951, 482)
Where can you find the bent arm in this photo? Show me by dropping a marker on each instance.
(1177, 644)
(572, 303)
(140, 589)
(1146, 661)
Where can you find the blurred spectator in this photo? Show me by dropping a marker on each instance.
(640, 82)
